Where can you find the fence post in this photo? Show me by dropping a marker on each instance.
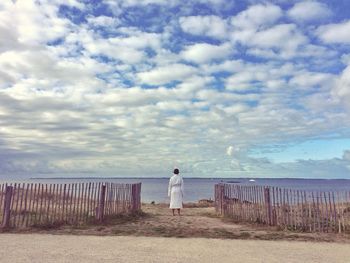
(135, 192)
(101, 204)
(222, 197)
(268, 204)
(139, 196)
(133, 198)
(216, 199)
(7, 207)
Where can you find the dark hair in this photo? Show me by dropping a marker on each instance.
(176, 171)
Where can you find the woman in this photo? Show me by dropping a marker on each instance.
(176, 191)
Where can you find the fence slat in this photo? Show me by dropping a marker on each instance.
(327, 212)
(74, 209)
(16, 214)
(54, 202)
(36, 203)
(69, 211)
(59, 203)
(2, 196)
(29, 213)
(66, 217)
(93, 196)
(41, 201)
(335, 213)
(7, 207)
(49, 197)
(25, 206)
(88, 201)
(101, 206)
(63, 202)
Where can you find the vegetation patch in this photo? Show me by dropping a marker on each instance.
(48, 226)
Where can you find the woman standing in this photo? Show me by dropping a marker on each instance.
(176, 191)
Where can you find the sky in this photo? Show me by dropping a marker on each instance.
(217, 88)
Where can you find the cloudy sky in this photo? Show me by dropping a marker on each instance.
(217, 88)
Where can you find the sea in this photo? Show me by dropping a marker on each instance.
(156, 189)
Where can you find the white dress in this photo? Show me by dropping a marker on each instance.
(176, 191)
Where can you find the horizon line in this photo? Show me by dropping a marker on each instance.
(294, 178)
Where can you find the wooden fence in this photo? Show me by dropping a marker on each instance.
(297, 210)
(35, 204)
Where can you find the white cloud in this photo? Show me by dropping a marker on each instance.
(204, 53)
(103, 21)
(192, 84)
(235, 109)
(346, 155)
(309, 80)
(229, 150)
(251, 76)
(129, 49)
(34, 24)
(321, 55)
(32, 68)
(257, 16)
(241, 81)
(271, 42)
(341, 89)
(276, 37)
(143, 2)
(117, 6)
(226, 66)
(335, 33)
(215, 97)
(166, 74)
(309, 11)
(257, 28)
(138, 40)
(234, 151)
(212, 26)
(5, 4)
(72, 3)
(345, 59)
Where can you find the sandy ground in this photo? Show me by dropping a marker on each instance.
(70, 248)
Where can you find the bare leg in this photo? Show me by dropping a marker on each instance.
(173, 212)
(178, 211)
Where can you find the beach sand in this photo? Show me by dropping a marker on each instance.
(70, 248)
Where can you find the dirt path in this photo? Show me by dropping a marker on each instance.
(70, 248)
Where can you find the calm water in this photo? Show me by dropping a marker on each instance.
(155, 189)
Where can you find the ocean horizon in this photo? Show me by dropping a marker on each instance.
(155, 188)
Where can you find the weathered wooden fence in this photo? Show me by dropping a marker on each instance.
(35, 204)
(298, 210)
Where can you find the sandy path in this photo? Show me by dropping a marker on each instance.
(68, 248)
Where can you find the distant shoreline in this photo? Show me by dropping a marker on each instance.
(212, 178)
